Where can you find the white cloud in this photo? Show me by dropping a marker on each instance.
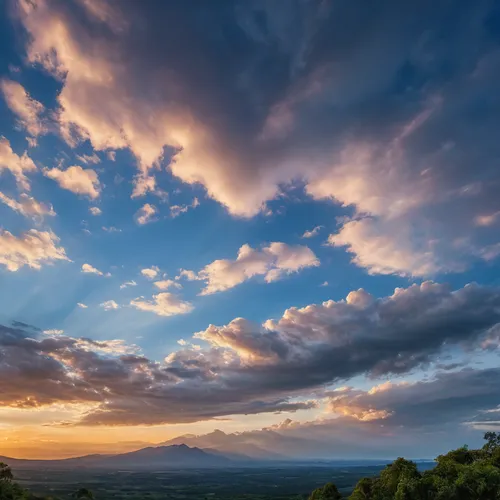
(18, 166)
(87, 268)
(127, 284)
(89, 159)
(53, 332)
(111, 155)
(166, 284)
(325, 283)
(188, 274)
(150, 272)
(27, 110)
(176, 210)
(163, 304)
(273, 262)
(146, 214)
(95, 211)
(77, 180)
(30, 249)
(28, 206)
(386, 248)
(111, 229)
(109, 305)
(313, 232)
(82, 305)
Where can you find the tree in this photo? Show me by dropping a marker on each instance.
(83, 493)
(5, 472)
(492, 441)
(328, 492)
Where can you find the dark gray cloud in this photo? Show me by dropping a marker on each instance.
(248, 368)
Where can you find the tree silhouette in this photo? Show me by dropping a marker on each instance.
(83, 493)
(5, 472)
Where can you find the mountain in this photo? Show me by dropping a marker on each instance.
(175, 456)
(265, 444)
(172, 456)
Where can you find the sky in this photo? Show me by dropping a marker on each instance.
(247, 215)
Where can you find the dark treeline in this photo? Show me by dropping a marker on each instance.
(461, 474)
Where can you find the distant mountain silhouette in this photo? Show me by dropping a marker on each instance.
(265, 444)
(175, 456)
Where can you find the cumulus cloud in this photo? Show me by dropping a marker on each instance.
(87, 268)
(312, 232)
(188, 274)
(273, 262)
(95, 211)
(17, 165)
(77, 180)
(163, 304)
(248, 368)
(166, 284)
(32, 248)
(28, 206)
(150, 272)
(357, 108)
(82, 305)
(109, 305)
(450, 397)
(146, 214)
(27, 110)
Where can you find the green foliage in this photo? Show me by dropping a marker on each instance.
(327, 492)
(461, 474)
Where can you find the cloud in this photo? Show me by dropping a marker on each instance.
(387, 249)
(146, 214)
(188, 274)
(163, 304)
(18, 166)
(109, 305)
(53, 332)
(95, 211)
(248, 368)
(274, 262)
(487, 220)
(448, 398)
(166, 284)
(89, 159)
(357, 108)
(111, 229)
(77, 180)
(82, 306)
(150, 272)
(27, 110)
(87, 268)
(28, 206)
(32, 248)
(176, 210)
(313, 232)
(127, 284)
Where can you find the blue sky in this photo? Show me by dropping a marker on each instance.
(235, 131)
